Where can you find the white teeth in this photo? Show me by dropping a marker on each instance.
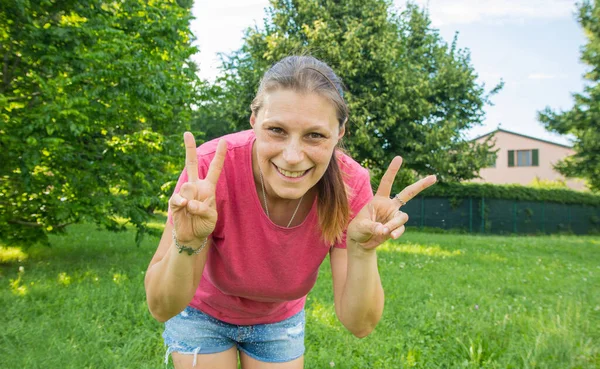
(291, 174)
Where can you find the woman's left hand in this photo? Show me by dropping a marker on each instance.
(380, 219)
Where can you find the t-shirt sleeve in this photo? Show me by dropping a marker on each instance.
(361, 194)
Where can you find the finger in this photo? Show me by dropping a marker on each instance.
(385, 186)
(414, 189)
(368, 229)
(191, 159)
(398, 232)
(397, 220)
(372, 212)
(176, 202)
(188, 191)
(216, 165)
(196, 207)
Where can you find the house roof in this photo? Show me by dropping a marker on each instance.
(518, 134)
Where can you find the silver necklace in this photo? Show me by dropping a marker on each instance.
(262, 184)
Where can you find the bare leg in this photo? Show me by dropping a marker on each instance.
(222, 360)
(250, 363)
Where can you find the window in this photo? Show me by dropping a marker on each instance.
(524, 158)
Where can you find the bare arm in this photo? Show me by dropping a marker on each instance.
(358, 293)
(357, 290)
(173, 277)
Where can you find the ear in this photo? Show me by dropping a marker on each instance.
(252, 119)
(342, 130)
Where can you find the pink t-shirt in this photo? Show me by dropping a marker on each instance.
(258, 272)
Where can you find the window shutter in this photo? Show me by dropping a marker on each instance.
(511, 158)
(535, 157)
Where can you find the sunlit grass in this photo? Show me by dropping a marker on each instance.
(452, 301)
(324, 314)
(11, 255)
(433, 250)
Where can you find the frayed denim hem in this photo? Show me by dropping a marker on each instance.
(174, 349)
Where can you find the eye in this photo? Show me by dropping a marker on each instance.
(276, 130)
(315, 136)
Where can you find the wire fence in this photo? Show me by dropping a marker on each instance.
(496, 216)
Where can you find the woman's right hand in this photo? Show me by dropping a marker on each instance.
(194, 208)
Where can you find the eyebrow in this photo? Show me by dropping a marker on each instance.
(310, 128)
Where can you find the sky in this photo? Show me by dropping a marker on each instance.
(533, 46)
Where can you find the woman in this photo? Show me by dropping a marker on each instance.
(253, 216)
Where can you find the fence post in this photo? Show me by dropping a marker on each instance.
(470, 215)
(482, 214)
(544, 217)
(422, 211)
(515, 216)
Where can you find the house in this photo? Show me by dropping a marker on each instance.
(520, 159)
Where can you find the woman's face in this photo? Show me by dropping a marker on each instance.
(296, 134)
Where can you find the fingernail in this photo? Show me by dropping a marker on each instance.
(192, 207)
(386, 230)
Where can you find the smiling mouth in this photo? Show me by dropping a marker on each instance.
(291, 174)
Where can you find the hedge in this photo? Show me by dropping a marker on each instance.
(511, 192)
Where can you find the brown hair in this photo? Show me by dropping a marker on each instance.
(308, 74)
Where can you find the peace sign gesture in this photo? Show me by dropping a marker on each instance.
(380, 219)
(194, 208)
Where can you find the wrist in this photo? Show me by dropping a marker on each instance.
(191, 248)
(355, 249)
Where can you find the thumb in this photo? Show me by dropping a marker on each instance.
(364, 229)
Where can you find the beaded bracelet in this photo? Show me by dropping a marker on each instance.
(188, 249)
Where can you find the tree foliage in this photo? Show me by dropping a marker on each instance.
(409, 92)
(583, 120)
(90, 96)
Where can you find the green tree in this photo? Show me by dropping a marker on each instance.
(91, 95)
(409, 92)
(583, 120)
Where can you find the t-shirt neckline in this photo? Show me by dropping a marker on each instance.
(257, 203)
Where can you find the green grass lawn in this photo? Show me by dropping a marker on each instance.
(452, 301)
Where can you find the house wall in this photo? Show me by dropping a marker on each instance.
(549, 155)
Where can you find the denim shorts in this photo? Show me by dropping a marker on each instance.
(194, 332)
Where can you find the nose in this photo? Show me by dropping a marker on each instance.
(293, 153)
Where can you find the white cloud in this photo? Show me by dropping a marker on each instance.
(444, 12)
(541, 76)
(546, 76)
